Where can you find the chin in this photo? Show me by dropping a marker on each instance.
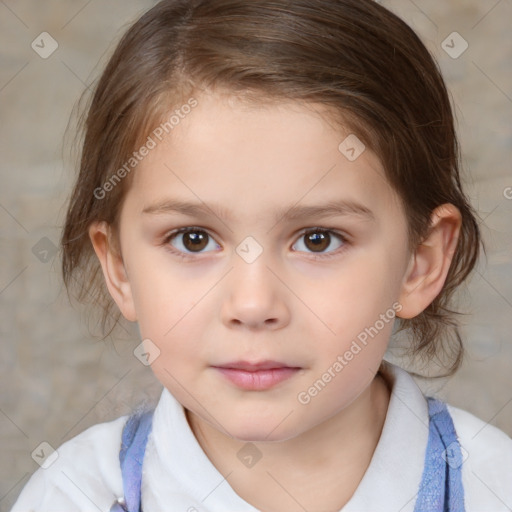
(259, 437)
(262, 431)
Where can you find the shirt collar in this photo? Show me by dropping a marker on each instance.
(393, 477)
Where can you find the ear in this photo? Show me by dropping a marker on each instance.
(429, 265)
(114, 271)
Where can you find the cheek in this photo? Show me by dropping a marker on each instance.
(171, 314)
(353, 298)
(163, 291)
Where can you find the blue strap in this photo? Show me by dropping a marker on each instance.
(135, 437)
(441, 487)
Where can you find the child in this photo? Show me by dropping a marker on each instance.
(267, 186)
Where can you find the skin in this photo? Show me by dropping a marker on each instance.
(291, 304)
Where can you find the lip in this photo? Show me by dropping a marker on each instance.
(251, 367)
(257, 376)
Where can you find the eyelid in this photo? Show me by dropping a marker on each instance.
(316, 229)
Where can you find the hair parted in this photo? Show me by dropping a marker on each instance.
(358, 59)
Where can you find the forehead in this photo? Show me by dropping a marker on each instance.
(253, 157)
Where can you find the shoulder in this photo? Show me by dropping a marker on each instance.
(483, 438)
(487, 461)
(85, 476)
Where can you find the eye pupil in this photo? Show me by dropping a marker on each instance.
(319, 240)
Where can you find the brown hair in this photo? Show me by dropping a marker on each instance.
(353, 56)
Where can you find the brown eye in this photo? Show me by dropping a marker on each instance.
(190, 240)
(195, 240)
(319, 240)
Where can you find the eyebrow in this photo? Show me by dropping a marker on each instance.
(294, 212)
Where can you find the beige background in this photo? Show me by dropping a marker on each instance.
(57, 379)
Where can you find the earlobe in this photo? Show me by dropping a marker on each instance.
(429, 265)
(114, 271)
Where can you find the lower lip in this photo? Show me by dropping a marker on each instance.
(258, 380)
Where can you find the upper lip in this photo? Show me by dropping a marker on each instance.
(252, 367)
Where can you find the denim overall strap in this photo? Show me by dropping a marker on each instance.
(135, 436)
(441, 487)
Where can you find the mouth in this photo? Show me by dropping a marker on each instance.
(257, 376)
(256, 366)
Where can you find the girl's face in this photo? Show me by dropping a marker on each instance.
(295, 253)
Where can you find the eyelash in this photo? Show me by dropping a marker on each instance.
(318, 256)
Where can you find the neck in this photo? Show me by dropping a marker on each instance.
(338, 450)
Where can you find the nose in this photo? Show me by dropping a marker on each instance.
(255, 297)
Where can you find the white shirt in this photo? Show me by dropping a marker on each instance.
(178, 476)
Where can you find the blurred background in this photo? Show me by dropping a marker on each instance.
(57, 376)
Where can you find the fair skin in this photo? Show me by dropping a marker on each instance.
(294, 303)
